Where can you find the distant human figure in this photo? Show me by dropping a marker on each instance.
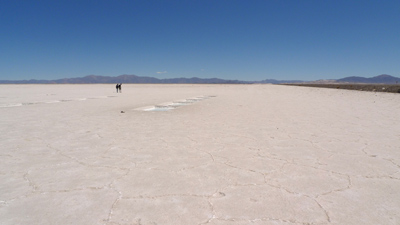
(119, 87)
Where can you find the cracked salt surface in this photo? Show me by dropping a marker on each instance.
(172, 105)
(159, 108)
(7, 105)
(257, 154)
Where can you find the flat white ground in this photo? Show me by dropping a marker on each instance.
(252, 154)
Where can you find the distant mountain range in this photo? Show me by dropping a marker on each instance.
(93, 79)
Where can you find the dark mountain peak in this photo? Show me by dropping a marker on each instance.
(381, 79)
(384, 76)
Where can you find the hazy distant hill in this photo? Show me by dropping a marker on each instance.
(273, 81)
(93, 79)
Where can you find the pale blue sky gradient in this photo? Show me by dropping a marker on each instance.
(228, 39)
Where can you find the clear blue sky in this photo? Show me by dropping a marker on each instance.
(228, 39)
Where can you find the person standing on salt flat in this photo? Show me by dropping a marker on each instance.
(117, 87)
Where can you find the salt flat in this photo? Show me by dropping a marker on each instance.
(234, 154)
